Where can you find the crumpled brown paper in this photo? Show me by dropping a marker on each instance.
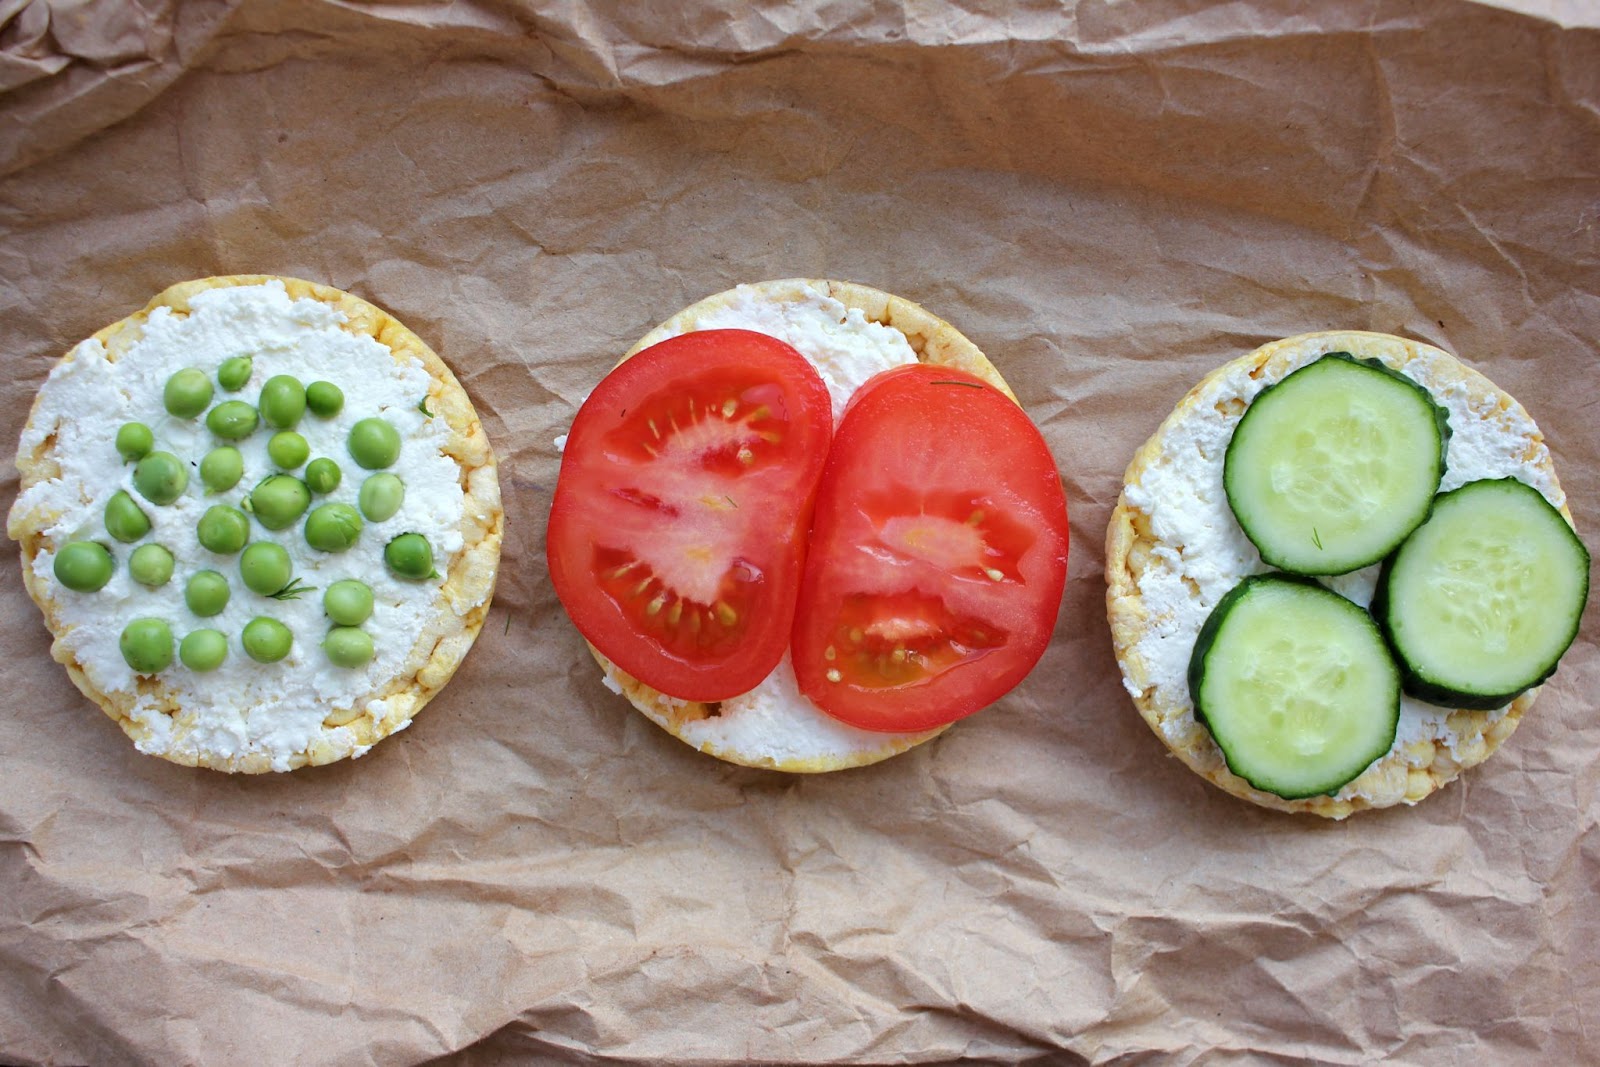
(1110, 199)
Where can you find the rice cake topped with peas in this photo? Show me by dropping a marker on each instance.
(849, 332)
(362, 468)
(1174, 550)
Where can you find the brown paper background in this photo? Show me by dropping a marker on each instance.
(1110, 199)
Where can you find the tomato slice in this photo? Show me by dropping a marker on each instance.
(938, 554)
(677, 532)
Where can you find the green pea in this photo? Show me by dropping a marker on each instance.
(203, 650)
(265, 567)
(288, 449)
(221, 469)
(373, 443)
(125, 520)
(347, 646)
(410, 556)
(234, 373)
(83, 566)
(222, 529)
(146, 645)
(134, 441)
(160, 477)
(278, 501)
(232, 420)
(323, 475)
(324, 399)
(348, 602)
(283, 401)
(150, 565)
(186, 393)
(381, 496)
(266, 640)
(333, 527)
(206, 593)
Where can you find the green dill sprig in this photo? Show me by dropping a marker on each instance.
(293, 590)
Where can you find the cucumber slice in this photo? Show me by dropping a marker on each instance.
(1333, 466)
(1295, 685)
(1484, 598)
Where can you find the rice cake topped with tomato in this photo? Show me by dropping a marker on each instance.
(849, 333)
(242, 714)
(1174, 550)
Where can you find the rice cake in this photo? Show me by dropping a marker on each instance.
(1174, 549)
(775, 726)
(247, 716)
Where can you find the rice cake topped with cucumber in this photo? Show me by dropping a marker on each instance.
(849, 332)
(262, 520)
(1270, 658)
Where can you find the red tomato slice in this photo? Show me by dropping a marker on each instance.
(938, 554)
(678, 527)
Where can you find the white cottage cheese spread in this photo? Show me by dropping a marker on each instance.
(1183, 496)
(243, 706)
(775, 719)
(844, 345)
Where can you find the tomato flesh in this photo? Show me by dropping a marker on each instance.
(938, 554)
(677, 531)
